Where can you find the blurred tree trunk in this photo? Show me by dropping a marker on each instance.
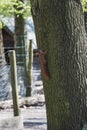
(20, 39)
(60, 30)
(2, 54)
(85, 18)
(20, 33)
(30, 65)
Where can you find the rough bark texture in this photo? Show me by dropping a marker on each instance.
(60, 30)
(2, 55)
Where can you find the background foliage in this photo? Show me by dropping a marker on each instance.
(84, 5)
(7, 8)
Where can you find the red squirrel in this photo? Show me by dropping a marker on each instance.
(43, 63)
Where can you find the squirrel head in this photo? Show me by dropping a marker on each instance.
(42, 55)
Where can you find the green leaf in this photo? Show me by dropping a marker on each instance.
(9, 7)
(1, 25)
(84, 5)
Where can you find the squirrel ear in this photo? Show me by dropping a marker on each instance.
(42, 52)
(45, 52)
(39, 51)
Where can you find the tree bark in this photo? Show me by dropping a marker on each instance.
(20, 34)
(30, 65)
(20, 40)
(60, 30)
(2, 54)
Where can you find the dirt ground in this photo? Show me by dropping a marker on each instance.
(34, 117)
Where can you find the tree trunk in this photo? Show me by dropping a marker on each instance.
(2, 55)
(20, 34)
(30, 65)
(60, 30)
(85, 19)
(20, 39)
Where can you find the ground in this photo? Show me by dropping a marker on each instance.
(34, 117)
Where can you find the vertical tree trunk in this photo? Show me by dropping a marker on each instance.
(14, 83)
(85, 18)
(2, 55)
(59, 27)
(30, 64)
(20, 38)
(20, 33)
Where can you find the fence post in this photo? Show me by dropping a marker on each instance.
(14, 82)
(28, 90)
